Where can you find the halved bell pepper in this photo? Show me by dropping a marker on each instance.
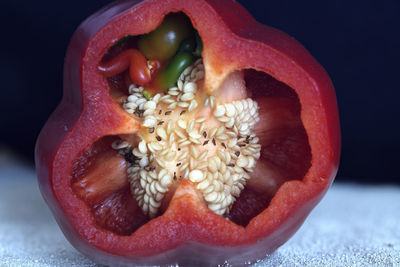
(84, 180)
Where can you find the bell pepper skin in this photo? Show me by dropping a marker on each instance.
(232, 40)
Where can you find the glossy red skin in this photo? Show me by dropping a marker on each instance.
(232, 40)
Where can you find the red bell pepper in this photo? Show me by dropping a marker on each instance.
(84, 182)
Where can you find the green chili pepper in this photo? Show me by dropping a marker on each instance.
(162, 43)
(187, 45)
(199, 46)
(167, 76)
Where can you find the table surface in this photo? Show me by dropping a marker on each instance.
(355, 225)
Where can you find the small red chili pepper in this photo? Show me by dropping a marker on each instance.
(133, 59)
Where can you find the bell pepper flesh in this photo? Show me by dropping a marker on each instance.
(232, 40)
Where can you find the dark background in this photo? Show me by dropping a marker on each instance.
(357, 42)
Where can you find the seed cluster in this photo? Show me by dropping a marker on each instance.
(178, 145)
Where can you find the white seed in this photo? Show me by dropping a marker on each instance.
(192, 106)
(238, 106)
(130, 111)
(192, 164)
(203, 185)
(194, 134)
(227, 157)
(168, 100)
(190, 126)
(169, 126)
(230, 134)
(187, 70)
(196, 176)
(212, 165)
(170, 156)
(219, 111)
(141, 101)
(186, 174)
(184, 167)
(202, 155)
(182, 140)
(221, 155)
(153, 189)
(166, 180)
(148, 112)
(185, 143)
(162, 133)
(212, 132)
(205, 102)
(150, 121)
(160, 188)
(171, 138)
(193, 152)
(143, 162)
(150, 105)
(179, 133)
(152, 174)
(164, 152)
(190, 87)
(137, 153)
(132, 98)
(222, 167)
(242, 161)
(251, 163)
(183, 104)
(181, 123)
(154, 204)
(211, 197)
(195, 141)
(172, 105)
(119, 144)
(200, 120)
(220, 130)
(183, 155)
(156, 146)
(156, 98)
(180, 85)
(173, 93)
(212, 101)
(202, 165)
(160, 162)
(158, 196)
(222, 137)
(218, 161)
(230, 123)
(224, 119)
(187, 97)
(230, 110)
(162, 173)
(199, 75)
(130, 105)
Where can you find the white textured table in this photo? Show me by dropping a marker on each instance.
(354, 225)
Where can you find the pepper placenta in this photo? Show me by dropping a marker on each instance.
(221, 165)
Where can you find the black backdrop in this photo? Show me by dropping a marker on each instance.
(357, 42)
